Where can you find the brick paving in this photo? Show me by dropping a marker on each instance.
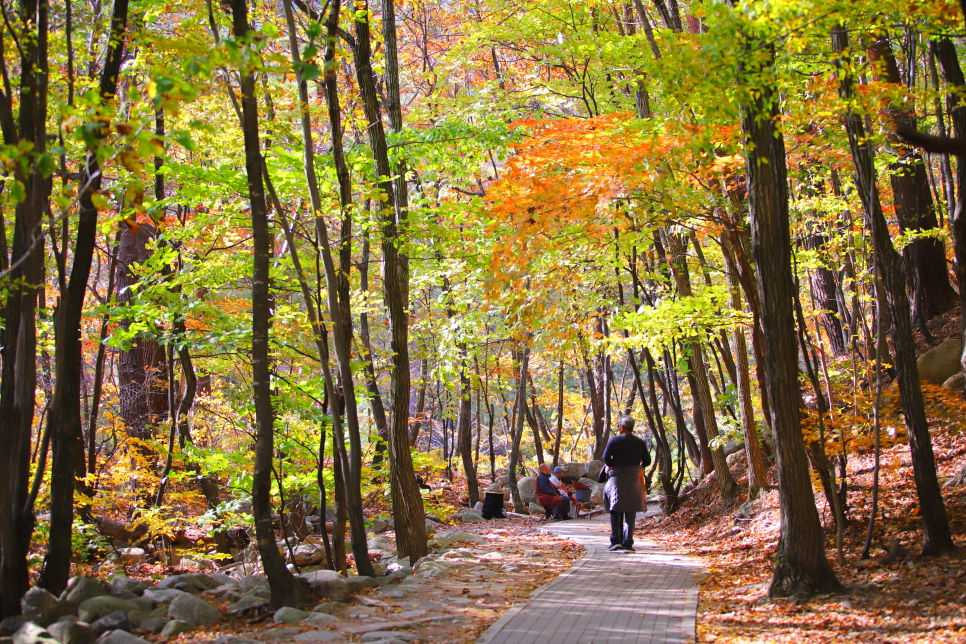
(646, 597)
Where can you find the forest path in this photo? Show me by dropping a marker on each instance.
(646, 597)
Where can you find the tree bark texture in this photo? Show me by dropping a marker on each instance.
(18, 374)
(407, 502)
(64, 416)
(287, 590)
(800, 563)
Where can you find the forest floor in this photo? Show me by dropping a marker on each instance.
(487, 578)
(896, 596)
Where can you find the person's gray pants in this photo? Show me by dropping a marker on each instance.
(622, 528)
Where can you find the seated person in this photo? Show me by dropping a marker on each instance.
(549, 496)
(559, 484)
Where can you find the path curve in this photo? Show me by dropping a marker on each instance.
(647, 597)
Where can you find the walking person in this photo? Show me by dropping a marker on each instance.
(625, 458)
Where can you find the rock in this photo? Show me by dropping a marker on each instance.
(572, 472)
(254, 582)
(237, 639)
(116, 621)
(189, 608)
(131, 556)
(536, 508)
(379, 525)
(121, 637)
(737, 458)
(478, 507)
(733, 447)
(320, 619)
(71, 632)
(940, 363)
(592, 470)
(528, 489)
(82, 588)
(37, 601)
(163, 595)
(176, 627)
(97, 607)
(318, 636)
(747, 510)
(32, 633)
(244, 602)
(327, 607)
(431, 527)
(289, 615)
(955, 383)
(308, 555)
(198, 564)
(472, 516)
(153, 625)
(360, 583)
(124, 584)
(465, 536)
(10, 625)
(384, 544)
(192, 582)
(379, 568)
(375, 636)
(328, 584)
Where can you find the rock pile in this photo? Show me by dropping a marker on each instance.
(90, 612)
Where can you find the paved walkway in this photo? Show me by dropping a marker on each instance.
(647, 597)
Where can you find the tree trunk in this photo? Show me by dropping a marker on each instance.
(64, 417)
(287, 590)
(143, 389)
(800, 563)
(18, 374)
(937, 539)
(945, 53)
(407, 502)
(517, 430)
(924, 259)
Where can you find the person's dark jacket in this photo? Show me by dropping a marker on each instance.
(625, 450)
(544, 486)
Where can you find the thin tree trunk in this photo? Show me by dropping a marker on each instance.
(287, 590)
(517, 430)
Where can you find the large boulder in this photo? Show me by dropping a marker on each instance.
(32, 633)
(97, 607)
(471, 516)
(69, 631)
(528, 489)
(116, 621)
(536, 508)
(122, 637)
(572, 472)
(328, 584)
(163, 595)
(289, 615)
(940, 363)
(176, 627)
(308, 554)
(192, 582)
(955, 383)
(82, 588)
(122, 584)
(189, 608)
(37, 601)
(592, 469)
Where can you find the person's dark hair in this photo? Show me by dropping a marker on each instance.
(626, 422)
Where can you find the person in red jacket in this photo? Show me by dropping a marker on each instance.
(549, 497)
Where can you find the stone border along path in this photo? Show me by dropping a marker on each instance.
(646, 597)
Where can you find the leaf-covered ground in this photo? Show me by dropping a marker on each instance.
(487, 580)
(898, 598)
